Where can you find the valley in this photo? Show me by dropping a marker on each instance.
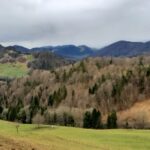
(74, 75)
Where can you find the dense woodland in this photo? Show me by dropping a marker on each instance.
(80, 94)
(46, 61)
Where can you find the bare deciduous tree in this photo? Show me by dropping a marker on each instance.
(38, 119)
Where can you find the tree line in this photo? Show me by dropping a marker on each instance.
(94, 120)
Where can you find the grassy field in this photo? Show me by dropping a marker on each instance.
(29, 57)
(13, 69)
(63, 138)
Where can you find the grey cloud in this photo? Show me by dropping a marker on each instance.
(92, 22)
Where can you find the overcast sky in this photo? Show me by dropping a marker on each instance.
(57, 22)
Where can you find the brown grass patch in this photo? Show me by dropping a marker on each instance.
(12, 144)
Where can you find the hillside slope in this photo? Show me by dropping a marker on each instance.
(17, 62)
(66, 138)
(138, 113)
(106, 84)
(13, 63)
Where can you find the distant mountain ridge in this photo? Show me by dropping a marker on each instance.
(124, 48)
(70, 51)
(117, 49)
(67, 51)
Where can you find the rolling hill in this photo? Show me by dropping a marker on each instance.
(17, 61)
(67, 92)
(30, 137)
(13, 63)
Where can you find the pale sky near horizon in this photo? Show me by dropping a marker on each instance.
(57, 22)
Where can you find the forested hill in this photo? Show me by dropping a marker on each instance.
(106, 84)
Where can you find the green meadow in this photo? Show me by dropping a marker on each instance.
(68, 138)
(13, 69)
